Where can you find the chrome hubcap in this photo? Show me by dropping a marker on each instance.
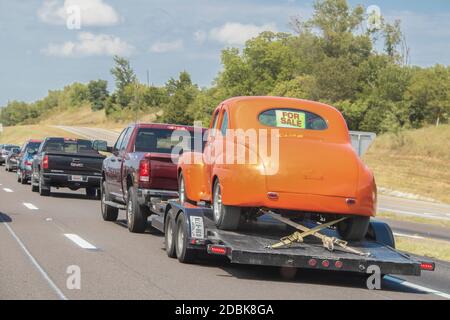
(129, 211)
(180, 240)
(217, 204)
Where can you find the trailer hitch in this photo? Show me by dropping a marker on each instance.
(329, 243)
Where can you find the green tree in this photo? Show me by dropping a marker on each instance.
(98, 94)
(124, 76)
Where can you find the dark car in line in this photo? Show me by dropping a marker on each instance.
(12, 159)
(4, 152)
(68, 163)
(28, 151)
(142, 166)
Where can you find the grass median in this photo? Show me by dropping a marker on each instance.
(431, 248)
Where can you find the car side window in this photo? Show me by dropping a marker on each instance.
(126, 139)
(119, 141)
(214, 124)
(224, 126)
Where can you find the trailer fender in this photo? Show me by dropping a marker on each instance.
(382, 233)
(194, 219)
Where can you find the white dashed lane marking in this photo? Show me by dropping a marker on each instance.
(417, 287)
(80, 241)
(7, 190)
(30, 206)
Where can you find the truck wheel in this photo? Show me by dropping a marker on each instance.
(225, 217)
(184, 254)
(136, 215)
(44, 190)
(182, 188)
(354, 228)
(91, 192)
(108, 213)
(34, 187)
(169, 235)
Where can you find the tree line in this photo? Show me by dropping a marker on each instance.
(331, 57)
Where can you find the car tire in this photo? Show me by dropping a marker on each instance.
(182, 189)
(91, 192)
(22, 178)
(108, 213)
(19, 176)
(136, 214)
(354, 228)
(44, 190)
(169, 235)
(225, 217)
(184, 254)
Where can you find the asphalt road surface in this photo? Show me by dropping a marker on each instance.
(42, 238)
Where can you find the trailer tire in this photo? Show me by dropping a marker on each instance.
(108, 213)
(169, 235)
(225, 217)
(354, 228)
(184, 254)
(136, 214)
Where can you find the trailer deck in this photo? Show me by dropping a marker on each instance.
(250, 245)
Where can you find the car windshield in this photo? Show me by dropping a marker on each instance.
(33, 146)
(157, 140)
(69, 146)
(292, 118)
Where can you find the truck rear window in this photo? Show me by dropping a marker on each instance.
(156, 140)
(292, 118)
(69, 146)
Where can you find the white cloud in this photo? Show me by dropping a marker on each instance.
(200, 36)
(92, 12)
(89, 44)
(234, 33)
(170, 46)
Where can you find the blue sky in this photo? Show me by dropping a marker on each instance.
(39, 53)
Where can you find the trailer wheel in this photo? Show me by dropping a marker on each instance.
(354, 228)
(169, 235)
(184, 254)
(108, 213)
(44, 190)
(225, 217)
(136, 214)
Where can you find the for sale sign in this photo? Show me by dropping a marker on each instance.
(291, 119)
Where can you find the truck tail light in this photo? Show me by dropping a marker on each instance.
(144, 171)
(45, 162)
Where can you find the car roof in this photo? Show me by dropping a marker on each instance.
(162, 126)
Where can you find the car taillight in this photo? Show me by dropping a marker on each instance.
(28, 163)
(45, 162)
(144, 171)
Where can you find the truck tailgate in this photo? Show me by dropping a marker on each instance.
(77, 164)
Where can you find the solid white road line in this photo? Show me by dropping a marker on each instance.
(7, 190)
(417, 287)
(408, 236)
(80, 241)
(434, 216)
(30, 206)
(44, 274)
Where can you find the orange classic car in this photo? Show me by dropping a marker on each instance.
(288, 155)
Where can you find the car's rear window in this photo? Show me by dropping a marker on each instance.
(33, 145)
(9, 148)
(292, 118)
(157, 140)
(69, 146)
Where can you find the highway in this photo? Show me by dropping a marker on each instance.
(41, 237)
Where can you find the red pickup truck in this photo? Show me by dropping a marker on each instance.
(143, 165)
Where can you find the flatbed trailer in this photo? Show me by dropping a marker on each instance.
(190, 229)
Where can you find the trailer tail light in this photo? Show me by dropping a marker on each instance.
(144, 171)
(312, 262)
(216, 249)
(325, 263)
(45, 162)
(338, 264)
(427, 266)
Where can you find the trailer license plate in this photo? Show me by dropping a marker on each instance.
(197, 229)
(77, 178)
